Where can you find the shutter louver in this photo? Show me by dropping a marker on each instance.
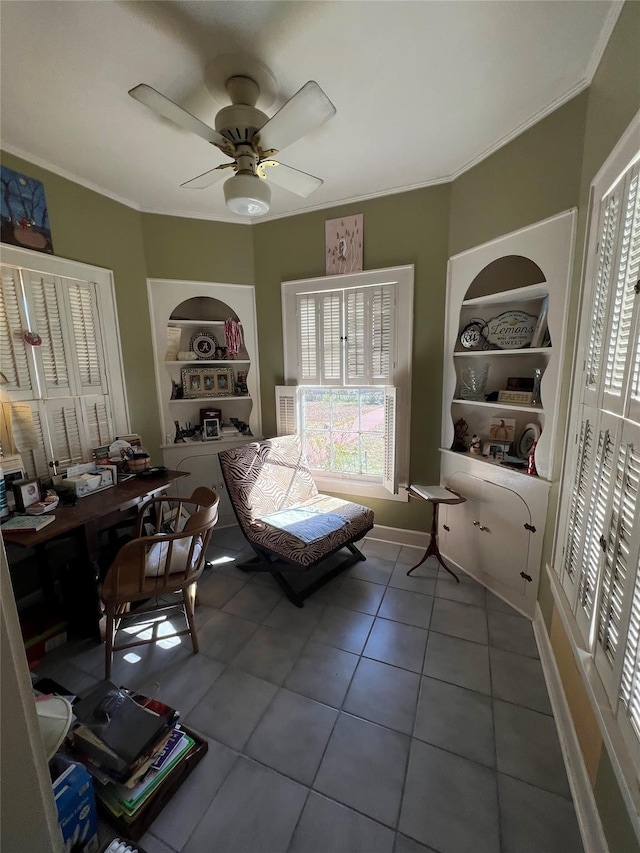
(577, 510)
(617, 564)
(97, 414)
(86, 335)
(65, 432)
(598, 503)
(286, 420)
(623, 297)
(308, 338)
(390, 478)
(51, 354)
(607, 248)
(382, 323)
(13, 354)
(29, 439)
(356, 343)
(331, 339)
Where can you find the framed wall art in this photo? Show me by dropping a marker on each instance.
(206, 382)
(343, 244)
(24, 212)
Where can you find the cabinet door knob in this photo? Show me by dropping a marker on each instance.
(483, 528)
(476, 524)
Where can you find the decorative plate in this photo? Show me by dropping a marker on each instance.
(204, 345)
(472, 334)
(530, 434)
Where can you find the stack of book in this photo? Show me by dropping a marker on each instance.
(131, 744)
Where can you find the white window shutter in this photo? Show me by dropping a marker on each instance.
(308, 335)
(69, 445)
(390, 476)
(577, 516)
(19, 379)
(46, 309)
(357, 344)
(624, 298)
(331, 336)
(30, 439)
(96, 412)
(87, 341)
(382, 333)
(286, 409)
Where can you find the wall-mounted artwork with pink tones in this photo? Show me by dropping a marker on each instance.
(343, 244)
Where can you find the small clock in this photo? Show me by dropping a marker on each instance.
(472, 334)
(204, 345)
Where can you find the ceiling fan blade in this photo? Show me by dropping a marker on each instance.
(161, 105)
(201, 182)
(302, 113)
(291, 179)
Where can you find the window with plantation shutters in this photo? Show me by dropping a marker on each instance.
(63, 395)
(597, 551)
(347, 346)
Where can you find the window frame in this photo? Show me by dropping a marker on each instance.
(400, 373)
(612, 416)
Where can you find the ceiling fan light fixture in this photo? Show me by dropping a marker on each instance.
(247, 195)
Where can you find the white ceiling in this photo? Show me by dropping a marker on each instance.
(423, 89)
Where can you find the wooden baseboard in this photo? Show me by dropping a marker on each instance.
(593, 837)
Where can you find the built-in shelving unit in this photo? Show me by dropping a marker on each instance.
(496, 535)
(192, 307)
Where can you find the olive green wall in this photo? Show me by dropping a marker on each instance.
(409, 228)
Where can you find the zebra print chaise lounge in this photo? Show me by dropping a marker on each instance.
(290, 526)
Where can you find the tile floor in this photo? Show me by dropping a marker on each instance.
(391, 714)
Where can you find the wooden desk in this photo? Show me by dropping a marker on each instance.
(435, 495)
(87, 519)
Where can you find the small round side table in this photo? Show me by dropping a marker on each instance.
(435, 495)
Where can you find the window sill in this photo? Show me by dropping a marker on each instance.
(607, 723)
(345, 486)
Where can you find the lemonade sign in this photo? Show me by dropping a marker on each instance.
(511, 329)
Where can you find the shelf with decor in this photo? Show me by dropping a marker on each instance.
(506, 310)
(205, 342)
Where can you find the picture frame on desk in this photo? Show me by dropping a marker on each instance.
(26, 493)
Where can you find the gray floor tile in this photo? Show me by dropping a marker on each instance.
(459, 620)
(253, 602)
(412, 608)
(327, 826)
(397, 644)
(270, 654)
(322, 673)
(407, 845)
(292, 735)
(373, 569)
(466, 592)
(411, 554)
(343, 629)
(255, 809)
(383, 694)
(437, 808)
(457, 720)
(458, 661)
(230, 710)
(216, 589)
(228, 538)
(152, 844)
(224, 635)
(422, 580)
(512, 632)
(496, 603)
(184, 683)
(528, 748)
(364, 768)
(519, 679)
(363, 596)
(301, 621)
(185, 809)
(535, 821)
(378, 548)
(75, 680)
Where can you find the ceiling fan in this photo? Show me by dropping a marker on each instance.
(249, 137)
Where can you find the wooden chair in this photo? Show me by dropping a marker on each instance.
(168, 561)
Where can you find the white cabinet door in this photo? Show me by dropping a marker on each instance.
(458, 535)
(503, 539)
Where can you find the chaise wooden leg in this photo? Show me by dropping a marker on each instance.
(109, 637)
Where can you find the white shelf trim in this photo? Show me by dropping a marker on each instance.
(197, 323)
(222, 361)
(485, 460)
(208, 399)
(492, 352)
(518, 294)
(496, 405)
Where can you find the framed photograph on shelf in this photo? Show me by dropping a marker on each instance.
(210, 429)
(502, 429)
(206, 382)
(496, 449)
(26, 493)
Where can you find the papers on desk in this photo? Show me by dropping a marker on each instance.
(433, 493)
(27, 523)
